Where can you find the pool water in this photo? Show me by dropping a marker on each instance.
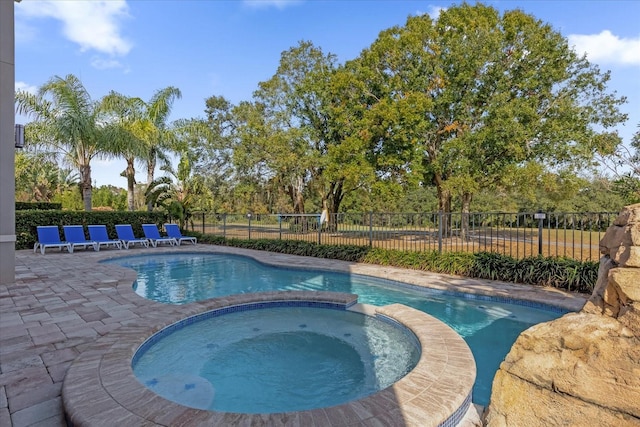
(276, 360)
(490, 328)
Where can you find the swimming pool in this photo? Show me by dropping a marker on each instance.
(488, 327)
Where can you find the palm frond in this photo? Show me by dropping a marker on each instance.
(161, 103)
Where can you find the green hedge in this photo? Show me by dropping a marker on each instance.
(558, 272)
(27, 221)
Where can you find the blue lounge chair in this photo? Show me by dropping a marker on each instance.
(125, 234)
(74, 235)
(49, 237)
(99, 234)
(152, 233)
(174, 231)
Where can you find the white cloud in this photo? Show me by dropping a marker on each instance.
(263, 4)
(24, 33)
(104, 162)
(26, 87)
(103, 64)
(435, 11)
(94, 25)
(607, 48)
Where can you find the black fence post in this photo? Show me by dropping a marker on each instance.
(370, 229)
(440, 226)
(540, 216)
(224, 225)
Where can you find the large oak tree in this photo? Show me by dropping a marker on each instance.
(475, 98)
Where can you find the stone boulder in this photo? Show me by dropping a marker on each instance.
(582, 369)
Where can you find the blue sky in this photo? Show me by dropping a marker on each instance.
(226, 48)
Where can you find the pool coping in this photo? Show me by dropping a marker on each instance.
(100, 387)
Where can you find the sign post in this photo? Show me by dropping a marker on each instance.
(540, 216)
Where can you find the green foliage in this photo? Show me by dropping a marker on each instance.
(179, 199)
(558, 272)
(39, 178)
(628, 188)
(158, 192)
(563, 192)
(108, 196)
(71, 199)
(625, 164)
(472, 99)
(457, 263)
(493, 266)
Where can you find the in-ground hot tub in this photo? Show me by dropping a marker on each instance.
(101, 387)
(279, 356)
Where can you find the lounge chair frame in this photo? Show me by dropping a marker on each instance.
(173, 230)
(126, 236)
(74, 235)
(99, 234)
(49, 237)
(152, 233)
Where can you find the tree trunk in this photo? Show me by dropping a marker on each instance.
(331, 201)
(151, 170)
(298, 201)
(85, 185)
(130, 173)
(464, 220)
(294, 189)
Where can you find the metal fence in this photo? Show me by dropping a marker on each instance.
(574, 235)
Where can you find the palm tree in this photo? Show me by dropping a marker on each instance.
(38, 178)
(67, 120)
(181, 198)
(129, 129)
(160, 137)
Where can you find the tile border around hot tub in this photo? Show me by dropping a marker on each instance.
(100, 387)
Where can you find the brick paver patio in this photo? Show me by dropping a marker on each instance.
(61, 303)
